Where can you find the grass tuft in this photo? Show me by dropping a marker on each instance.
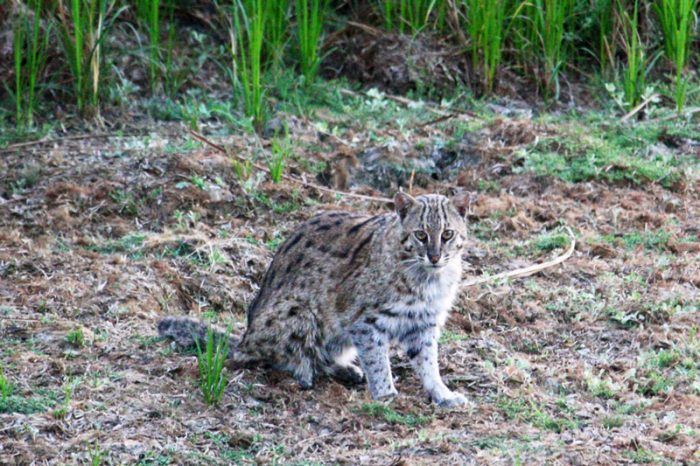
(552, 241)
(535, 415)
(62, 411)
(281, 151)
(76, 337)
(211, 359)
(390, 415)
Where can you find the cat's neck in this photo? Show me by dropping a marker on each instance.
(432, 284)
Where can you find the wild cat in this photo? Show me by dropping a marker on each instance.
(345, 286)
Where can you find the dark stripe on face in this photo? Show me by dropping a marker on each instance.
(443, 207)
(433, 217)
(424, 214)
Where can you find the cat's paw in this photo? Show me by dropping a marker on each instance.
(453, 400)
(348, 375)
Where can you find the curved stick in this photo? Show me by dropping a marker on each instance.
(525, 271)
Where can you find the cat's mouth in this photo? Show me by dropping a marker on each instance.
(435, 266)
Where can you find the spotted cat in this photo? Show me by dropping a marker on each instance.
(345, 286)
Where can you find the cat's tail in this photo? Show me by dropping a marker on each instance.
(187, 333)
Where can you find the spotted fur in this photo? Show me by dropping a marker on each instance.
(345, 286)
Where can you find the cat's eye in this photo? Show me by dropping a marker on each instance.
(420, 236)
(448, 235)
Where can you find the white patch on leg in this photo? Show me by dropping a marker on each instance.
(347, 357)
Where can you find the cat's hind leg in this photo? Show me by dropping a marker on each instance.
(343, 361)
(295, 339)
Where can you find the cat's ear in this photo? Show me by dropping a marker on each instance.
(461, 203)
(402, 203)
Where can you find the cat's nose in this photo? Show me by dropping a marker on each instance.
(434, 258)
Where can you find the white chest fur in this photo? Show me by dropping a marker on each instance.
(429, 304)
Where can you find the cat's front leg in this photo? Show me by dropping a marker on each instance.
(373, 351)
(421, 346)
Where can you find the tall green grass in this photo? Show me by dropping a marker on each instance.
(30, 44)
(522, 34)
(536, 37)
(540, 29)
(310, 15)
(246, 49)
(276, 30)
(677, 19)
(552, 18)
(634, 71)
(485, 24)
(83, 26)
(5, 386)
(173, 79)
(604, 14)
(148, 12)
(411, 16)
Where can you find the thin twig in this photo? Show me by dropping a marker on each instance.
(526, 271)
(50, 320)
(439, 119)
(690, 111)
(293, 179)
(369, 29)
(22, 145)
(636, 109)
(410, 182)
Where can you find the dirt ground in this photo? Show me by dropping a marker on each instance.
(595, 361)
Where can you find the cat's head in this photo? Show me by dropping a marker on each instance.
(433, 229)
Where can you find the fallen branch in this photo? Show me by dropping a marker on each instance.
(293, 179)
(525, 271)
